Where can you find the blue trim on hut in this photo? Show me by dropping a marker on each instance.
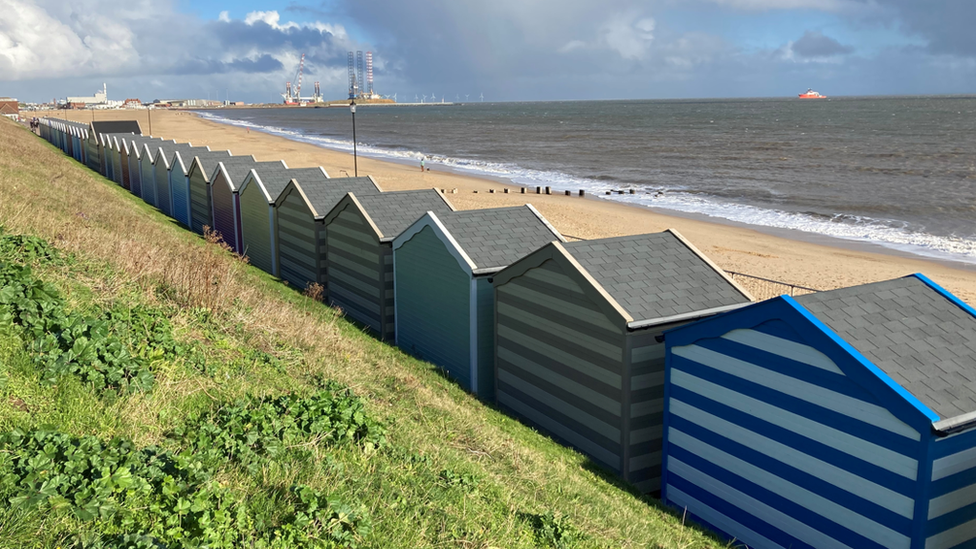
(779, 432)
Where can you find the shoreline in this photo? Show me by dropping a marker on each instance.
(788, 255)
(857, 244)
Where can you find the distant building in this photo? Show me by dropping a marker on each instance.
(9, 106)
(100, 98)
(132, 104)
(188, 103)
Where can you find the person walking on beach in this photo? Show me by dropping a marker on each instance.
(423, 164)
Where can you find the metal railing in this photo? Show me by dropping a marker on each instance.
(766, 288)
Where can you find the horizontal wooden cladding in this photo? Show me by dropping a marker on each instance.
(298, 243)
(256, 229)
(222, 202)
(529, 404)
(296, 272)
(357, 274)
(557, 342)
(200, 212)
(560, 362)
(748, 447)
(646, 410)
(952, 505)
(559, 300)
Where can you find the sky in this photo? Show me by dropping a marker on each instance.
(505, 50)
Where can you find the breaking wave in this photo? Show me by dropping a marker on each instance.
(893, 234)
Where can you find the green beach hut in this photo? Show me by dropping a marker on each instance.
(444, 299)
(225, 201)
(359, 233)
(257, 195)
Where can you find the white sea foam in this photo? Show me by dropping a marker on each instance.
(889, 233)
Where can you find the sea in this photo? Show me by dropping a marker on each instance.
(898, 172)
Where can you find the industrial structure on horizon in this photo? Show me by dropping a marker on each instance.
(360, 85)
(296, 97)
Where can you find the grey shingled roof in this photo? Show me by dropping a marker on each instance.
(119, 136)
(138, 141)
(498, 237)
(393, 212)
(324, 193)
(237, 171)
(654, 275)
(275, 180)
(184, 154)
(170, 148)
(117, 126)
(209, 160)
(923, 341)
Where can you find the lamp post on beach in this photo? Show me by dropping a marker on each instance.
(355, 160)
(149, 112)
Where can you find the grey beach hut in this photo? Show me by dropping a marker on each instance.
(257, 195)
(300, 234)
(359, 233)
(578, 347)
(444, 299)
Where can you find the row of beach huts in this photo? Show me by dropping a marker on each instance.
(835, 419)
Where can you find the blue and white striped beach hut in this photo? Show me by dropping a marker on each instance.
(835, 419)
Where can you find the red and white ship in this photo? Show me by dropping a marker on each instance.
(810, 94)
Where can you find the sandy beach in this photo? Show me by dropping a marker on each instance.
(800, 259)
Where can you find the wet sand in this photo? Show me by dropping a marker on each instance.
(800, 259)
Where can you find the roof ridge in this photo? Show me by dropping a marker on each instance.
(949, 296)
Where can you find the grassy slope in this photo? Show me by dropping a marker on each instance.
(128, 253)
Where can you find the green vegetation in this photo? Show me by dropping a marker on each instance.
(252, 431)
(149, 496)
(157, 392)
(69, 343)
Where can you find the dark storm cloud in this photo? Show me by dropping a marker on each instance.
(513, 49)
(262, 64)
(816, 44)
(261, 35)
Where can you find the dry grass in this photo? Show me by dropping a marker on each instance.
(46, 194)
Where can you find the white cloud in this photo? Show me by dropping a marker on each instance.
(50, 39)
(224, 17)
(627, 35)
(271, 18)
